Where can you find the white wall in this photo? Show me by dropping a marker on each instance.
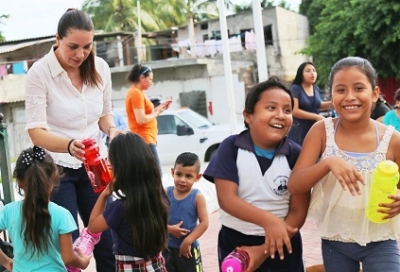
(213, 86)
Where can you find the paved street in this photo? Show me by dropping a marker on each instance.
(208, 242)
(208, 245)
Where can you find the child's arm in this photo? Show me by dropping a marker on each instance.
(298, 208)
(97, 222)
(276, 230)
(307, 165)
(202, 214)
(69, 256)
(6, 261)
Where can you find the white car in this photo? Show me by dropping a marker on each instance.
(184, 130)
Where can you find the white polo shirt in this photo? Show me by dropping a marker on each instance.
(53, 103)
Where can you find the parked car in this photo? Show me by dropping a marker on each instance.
(184, 130)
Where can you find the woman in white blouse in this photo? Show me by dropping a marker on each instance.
(68, 99)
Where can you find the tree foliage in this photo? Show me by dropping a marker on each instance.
(364, 28)
(264, 4)
(122, 15)
(2, 17)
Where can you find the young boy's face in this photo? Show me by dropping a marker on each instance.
(185, 177)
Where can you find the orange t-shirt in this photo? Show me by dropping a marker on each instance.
(135, 99)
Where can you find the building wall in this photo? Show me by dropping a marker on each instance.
(292, 37)
(208, 76)
(14, 118)
(289, 33)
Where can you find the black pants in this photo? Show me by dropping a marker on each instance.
(174, 263)
(229, 240)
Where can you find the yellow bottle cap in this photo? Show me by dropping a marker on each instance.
(388, 168)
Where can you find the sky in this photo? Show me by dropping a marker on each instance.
(38, 18)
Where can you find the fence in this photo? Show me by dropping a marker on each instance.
(5, 168)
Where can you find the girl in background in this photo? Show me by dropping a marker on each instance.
(138, 218)
(250, 172)
(393, 117)
(307, 102)
(337, 160)
(39, 229)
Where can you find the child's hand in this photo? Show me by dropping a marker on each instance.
(277, 234)
(107, 192)
(177, 231)
(348, 177)
(257, 256)
(390, 210)
(85, 258)
(184, 249)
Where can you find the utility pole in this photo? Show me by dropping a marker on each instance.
(139, 35)
(227, 65)
(262, 64)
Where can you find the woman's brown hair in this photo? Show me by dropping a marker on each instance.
(77, 19)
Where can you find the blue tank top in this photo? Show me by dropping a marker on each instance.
(182, 210)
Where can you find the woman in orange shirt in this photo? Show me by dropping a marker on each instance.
(140, 110)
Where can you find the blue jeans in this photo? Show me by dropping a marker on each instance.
(76, 194)
(153, 149)
(346, 257)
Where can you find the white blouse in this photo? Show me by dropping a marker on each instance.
(340, 215)
(53, 103)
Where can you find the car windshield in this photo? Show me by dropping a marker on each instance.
(195, 119)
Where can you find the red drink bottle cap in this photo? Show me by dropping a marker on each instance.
(87, 142)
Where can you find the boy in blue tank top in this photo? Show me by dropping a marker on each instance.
(188, 217)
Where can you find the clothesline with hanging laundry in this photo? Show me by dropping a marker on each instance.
(212, 47)
(16, 68)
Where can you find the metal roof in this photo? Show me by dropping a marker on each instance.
(10, 46)
(16, 46)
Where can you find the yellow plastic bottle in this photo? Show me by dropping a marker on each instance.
(384, 183)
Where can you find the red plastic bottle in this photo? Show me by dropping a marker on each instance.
(236, 261)
(95, 166)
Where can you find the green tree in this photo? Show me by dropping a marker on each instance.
(121, 15)
(264, 4)
(368, 29)
(312, 9)
(2, 17)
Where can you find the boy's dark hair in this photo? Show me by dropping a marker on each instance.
(254, 94)
(188, 159)
(138, 184)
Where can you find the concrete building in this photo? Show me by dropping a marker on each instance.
(198, 83)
